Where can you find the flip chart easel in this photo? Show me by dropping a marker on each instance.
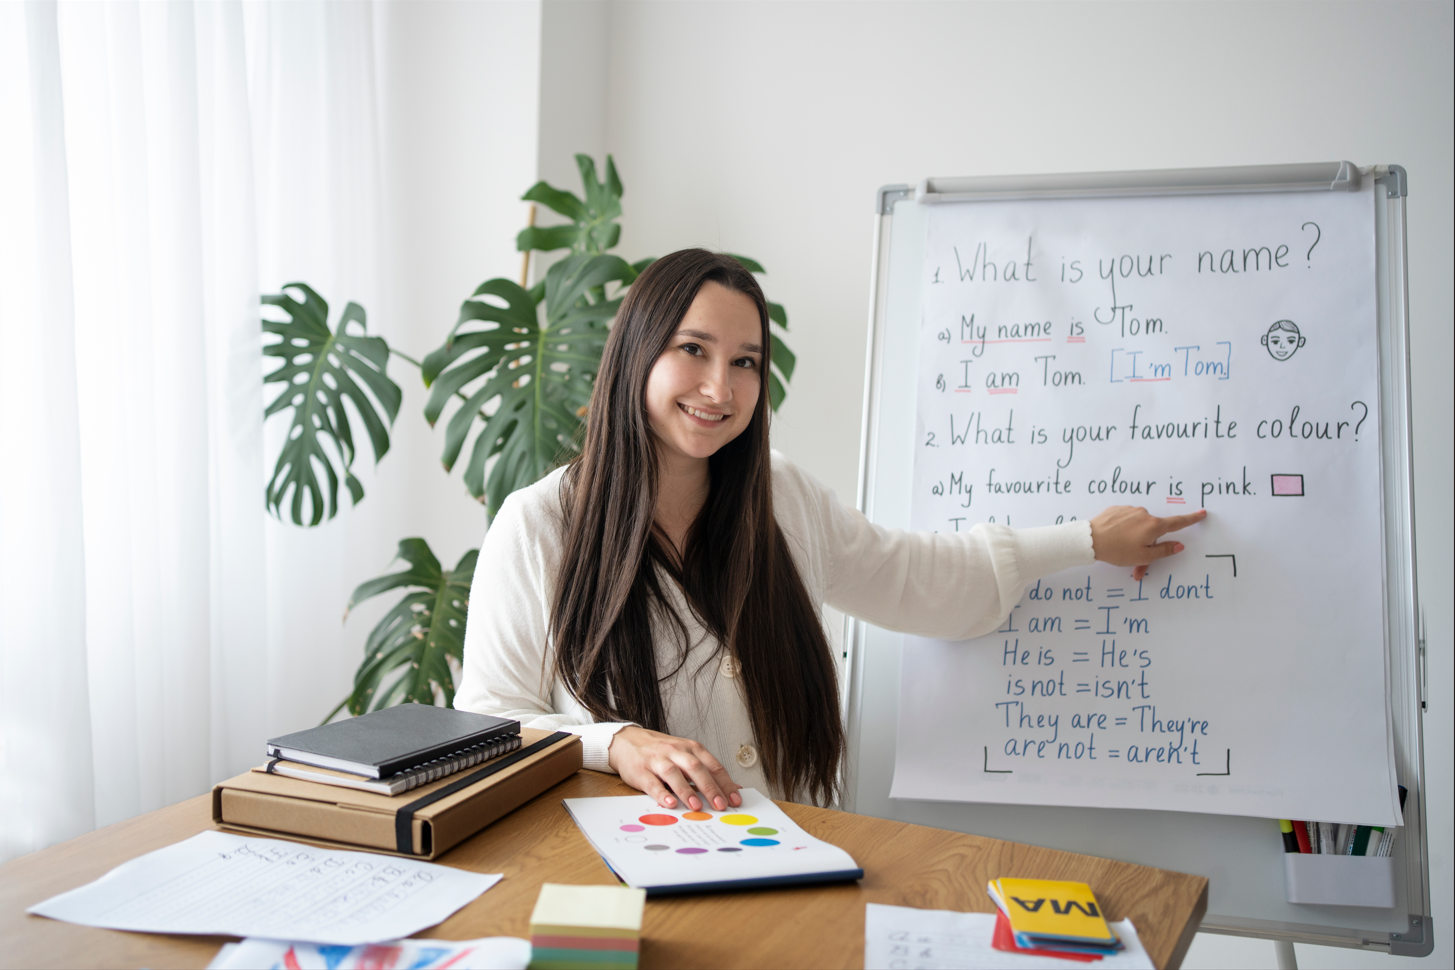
(1238, 854)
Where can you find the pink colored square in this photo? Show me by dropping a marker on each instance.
(1290, 485)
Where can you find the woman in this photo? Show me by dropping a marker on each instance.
(660, 595)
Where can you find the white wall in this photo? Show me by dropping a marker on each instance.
(460, 103)
(574, 50)
(764, 129)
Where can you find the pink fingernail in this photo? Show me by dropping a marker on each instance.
(1179, 547)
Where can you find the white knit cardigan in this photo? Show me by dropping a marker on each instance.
(952, 586)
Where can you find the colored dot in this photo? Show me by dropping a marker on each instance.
(697, 816)
(738, 820)
(730, 848)
(762, 831)
(691, 850)
(632, 828)
(660, 820)
(656, 848)
(760, 842)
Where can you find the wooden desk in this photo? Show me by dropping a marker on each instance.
(906, 865)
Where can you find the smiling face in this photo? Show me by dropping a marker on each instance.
(703, 389)
(1282, 344)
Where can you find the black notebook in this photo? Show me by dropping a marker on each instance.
(383, 743)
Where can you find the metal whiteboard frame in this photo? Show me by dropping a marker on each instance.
(871, 709)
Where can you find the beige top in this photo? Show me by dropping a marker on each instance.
(951, 586)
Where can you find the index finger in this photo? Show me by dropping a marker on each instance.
(1176, 523)
(673, 777)
(699, 770)
(724, 781)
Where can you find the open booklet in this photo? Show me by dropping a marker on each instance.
(678, 851)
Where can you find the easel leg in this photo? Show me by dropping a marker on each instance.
(1283, 951)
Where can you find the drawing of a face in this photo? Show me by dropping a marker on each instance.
(1283, 339)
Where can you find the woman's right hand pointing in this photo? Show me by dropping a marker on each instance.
(1125, 535)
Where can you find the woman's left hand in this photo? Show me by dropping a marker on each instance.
(1126, 535)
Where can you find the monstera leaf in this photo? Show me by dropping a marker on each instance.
(593, 227)
(320, 370)
(526, 382)
(414, 639)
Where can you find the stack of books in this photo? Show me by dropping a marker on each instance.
(586, 926)
(412, 780)
(1051, 918)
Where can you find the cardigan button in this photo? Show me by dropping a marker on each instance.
(747, 756)
(730, 666)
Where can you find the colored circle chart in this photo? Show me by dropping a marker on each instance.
(760, 833)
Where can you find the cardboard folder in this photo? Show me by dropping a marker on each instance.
(422, 823)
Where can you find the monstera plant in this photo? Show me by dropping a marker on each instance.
(514, 373)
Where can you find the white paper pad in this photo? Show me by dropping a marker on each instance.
(231, 884)
(490, 953)
(651, 847)
(1044, 398)
(902, 938)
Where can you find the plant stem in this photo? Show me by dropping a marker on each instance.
(399, 353)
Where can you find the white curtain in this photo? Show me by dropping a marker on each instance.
(160, 165)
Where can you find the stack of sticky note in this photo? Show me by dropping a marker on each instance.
(1049, 915)
(586, 927)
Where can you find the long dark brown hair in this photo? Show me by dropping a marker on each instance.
(736, 571)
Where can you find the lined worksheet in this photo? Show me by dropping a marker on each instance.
(242, 886)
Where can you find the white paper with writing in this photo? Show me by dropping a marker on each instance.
(1212, 352)
(244, 886)
(903, 938)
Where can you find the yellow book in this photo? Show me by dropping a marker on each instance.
(1045, 913)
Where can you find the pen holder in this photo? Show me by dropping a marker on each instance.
(1339, 880)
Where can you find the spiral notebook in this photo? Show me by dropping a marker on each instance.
(408, 739)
